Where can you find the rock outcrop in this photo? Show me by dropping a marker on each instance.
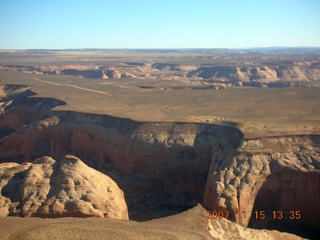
(18, 108)
(226, 229)
(111, 73)
(269, 174)
(65, 188)
(262, 74)
(155, 164)
(128, 75)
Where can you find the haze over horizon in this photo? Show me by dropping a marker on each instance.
(164, 24)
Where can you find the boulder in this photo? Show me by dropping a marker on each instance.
(65, 188)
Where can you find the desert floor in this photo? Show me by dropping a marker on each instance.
(256, 111)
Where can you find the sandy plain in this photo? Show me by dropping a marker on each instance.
(257, 111)
(188, 226)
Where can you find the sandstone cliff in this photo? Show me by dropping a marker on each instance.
(262, 74)
(66, 188)
(18, 108)
(157, 165)
(268, 174)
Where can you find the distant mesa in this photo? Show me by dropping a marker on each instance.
(262, 74)
(128, 75)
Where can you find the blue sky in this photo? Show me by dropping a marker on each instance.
(60, 24)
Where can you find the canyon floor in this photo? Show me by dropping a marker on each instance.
(173, 129)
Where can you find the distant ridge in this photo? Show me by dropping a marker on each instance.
(264, 50)
(285, 50)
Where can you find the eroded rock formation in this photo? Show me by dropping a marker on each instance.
(65, 188)
(111, 73)
(157, 165)
(173, 166)
(262, 74)
(256, 72)
(226, 229)
(268, 174)
(18, 108)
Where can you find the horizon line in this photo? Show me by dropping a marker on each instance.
(173, 48)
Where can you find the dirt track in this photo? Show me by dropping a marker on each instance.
(73, 86)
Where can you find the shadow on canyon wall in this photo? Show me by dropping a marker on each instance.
(290, 201)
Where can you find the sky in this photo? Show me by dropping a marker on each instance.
(64, 24)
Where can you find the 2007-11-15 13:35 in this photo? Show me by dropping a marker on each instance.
(277, 214)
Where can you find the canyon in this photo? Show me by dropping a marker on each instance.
(166, 167)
